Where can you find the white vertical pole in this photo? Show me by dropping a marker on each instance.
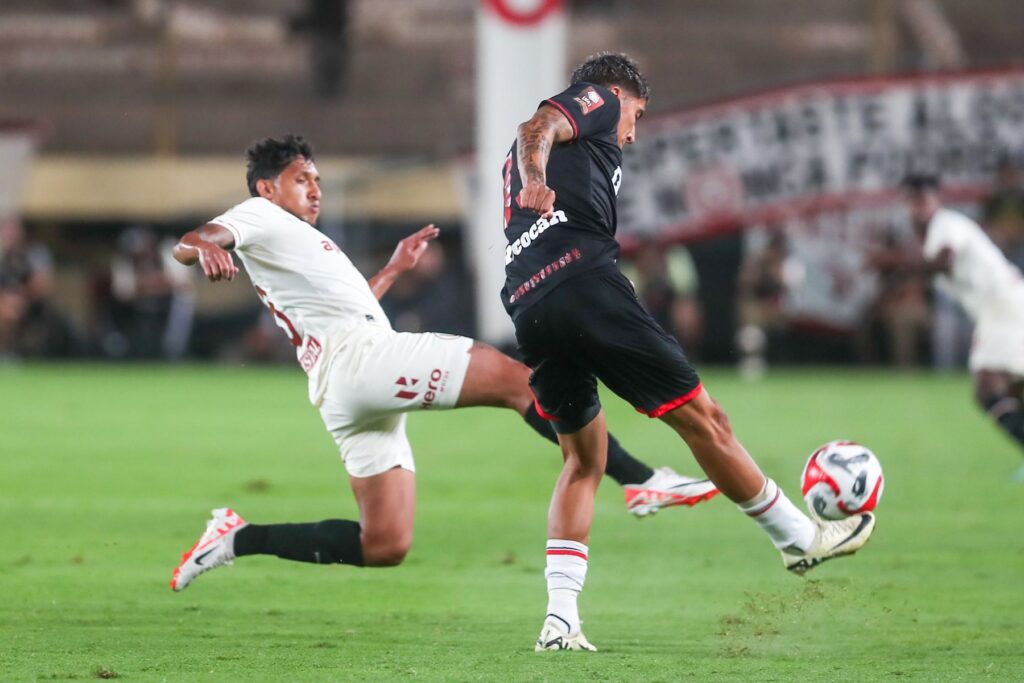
(17, 149)
(520, 50)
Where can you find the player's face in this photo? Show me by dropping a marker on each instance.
(923, 206)
(296, 190)
(631, 110)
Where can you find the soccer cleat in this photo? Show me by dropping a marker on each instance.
(214, 548)
(831, 539)
(552, 638)
(665, 489)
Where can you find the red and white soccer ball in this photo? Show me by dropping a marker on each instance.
(840, 479)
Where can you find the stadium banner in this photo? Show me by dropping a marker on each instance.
(823, 161)
(520, 48)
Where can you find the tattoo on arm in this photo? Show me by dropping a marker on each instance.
(535, 140)
(534, 150)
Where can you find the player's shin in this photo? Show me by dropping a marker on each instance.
(566, 573)
(332, 541)
(780, 519)
(569, 520)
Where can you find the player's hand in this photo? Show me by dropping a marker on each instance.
(408, 252)
(537, 197)
(216, 262)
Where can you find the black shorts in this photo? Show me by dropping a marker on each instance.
(593, 327)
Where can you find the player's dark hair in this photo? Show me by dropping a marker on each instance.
(269, 156)
(612, 68)
(920, 182)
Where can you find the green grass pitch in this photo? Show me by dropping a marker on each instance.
(107, 474)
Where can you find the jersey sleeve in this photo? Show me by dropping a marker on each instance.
(591, 109)
(246, 222)
(946, 231)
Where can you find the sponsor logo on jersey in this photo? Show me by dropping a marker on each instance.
(528, 237)
(570, 257)
(589, 100)
(312, 353)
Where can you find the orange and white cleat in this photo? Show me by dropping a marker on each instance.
(667, 488)
(214, 548)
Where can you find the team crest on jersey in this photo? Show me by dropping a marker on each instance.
(589, 100)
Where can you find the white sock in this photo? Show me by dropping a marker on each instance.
(780, 519)
(566, 572)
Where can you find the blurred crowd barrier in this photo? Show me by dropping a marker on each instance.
(753, 296)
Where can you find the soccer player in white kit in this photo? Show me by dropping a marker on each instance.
(363, 376)
(969, 267)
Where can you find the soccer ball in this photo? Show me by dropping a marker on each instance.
(840, 479)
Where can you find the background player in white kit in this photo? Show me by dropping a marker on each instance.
(363, 375)
(969, 267)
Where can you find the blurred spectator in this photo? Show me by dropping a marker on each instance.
(665, 279)
(151, 301)
(762, 288)
(951, 333)
(29, 325)
(325, 22)
(432, 296)
(902, 313)
(1003, 215)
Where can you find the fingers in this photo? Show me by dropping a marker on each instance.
(539, 198)
(217, 265)
(428, 232)
(421, 236)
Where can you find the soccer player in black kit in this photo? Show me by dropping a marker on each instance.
(577, 320)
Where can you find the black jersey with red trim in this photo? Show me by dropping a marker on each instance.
(585, 174)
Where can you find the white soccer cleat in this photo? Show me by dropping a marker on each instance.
(667, 488)
(214, 548)
(553, 638)
(831, 539)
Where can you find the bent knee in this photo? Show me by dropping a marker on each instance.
(386, 552)
(582, 466)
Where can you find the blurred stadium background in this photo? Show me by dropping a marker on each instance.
(777, 132)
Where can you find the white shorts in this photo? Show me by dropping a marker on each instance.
(998, 344)
(376, 376)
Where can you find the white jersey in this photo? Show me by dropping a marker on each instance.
(312, 289)
(987, 285)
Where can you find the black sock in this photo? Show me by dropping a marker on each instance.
(622, 467)
(332, 541)
(1008, 413)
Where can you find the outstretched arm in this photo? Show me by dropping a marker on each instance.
(407, 255)
(897, 259)
(534, 141)
(208, 246)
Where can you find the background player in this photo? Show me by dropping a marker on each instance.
(577, 318)
(969, 267)
(363, 375)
